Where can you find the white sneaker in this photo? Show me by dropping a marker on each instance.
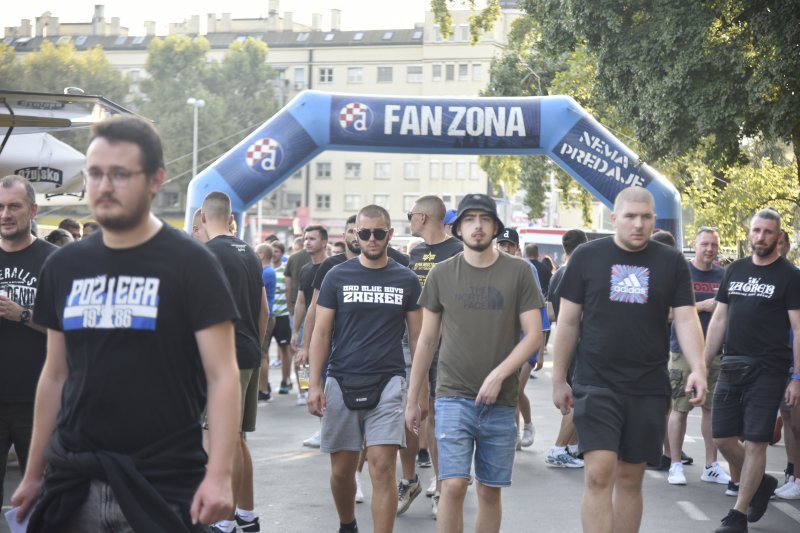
(312, 441)
(528, 434)
(715, 474)
(359, 492)
(301, 399)
(435, 505)
(431, 490)
(676, 475)
(790, 491)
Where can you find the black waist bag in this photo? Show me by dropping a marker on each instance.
(740, 369)
(362, 391)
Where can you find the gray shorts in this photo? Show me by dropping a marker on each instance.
(346, 430)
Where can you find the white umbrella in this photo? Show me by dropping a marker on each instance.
(52, 167)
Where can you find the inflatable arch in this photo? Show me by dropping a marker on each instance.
(555, 126)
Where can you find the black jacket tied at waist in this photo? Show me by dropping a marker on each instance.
(145, 483)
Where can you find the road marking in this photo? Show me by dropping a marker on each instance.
(692, 510)
(286, 457)
(787, 509)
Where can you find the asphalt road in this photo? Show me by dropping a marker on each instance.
(292, 491)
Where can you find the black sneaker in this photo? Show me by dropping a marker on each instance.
(246, 526)
(758, 505)
(735, 522)
(284, 388)
(685, 459)
(733, 489)
(264, 396)
(423, 458)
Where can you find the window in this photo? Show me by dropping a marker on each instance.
(135, 75)
(80, 40)
(417, 35)
(463, 72)
(293, 200)
(330, 36)
(359, 36)
(437, 73)
(414, 74)
(64, 39)
(450, 72)
(352, 202)
(120, 40)
(352, 170)
(411, 170)
(447, 170)
(459, 197)
(387, 35)
(297, 175)
(323, 201)
(355, 74)
(477, 71)
(385, 74)
(139, 39)
(241, 39)
(474, 170)
(435, 170)
(381, 200)
(169, 199)
(383, 170)
(408, 202)
(326, 75)
(461, 170)
(447, 199)
(299, 78)
(463, 31)
(303, 36)
(323, 171)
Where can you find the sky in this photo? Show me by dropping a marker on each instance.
(356, 14)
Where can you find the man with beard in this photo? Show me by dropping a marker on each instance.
(616, 295)
(363, 308)
(139, 327)
(23, 342)
(480, 300)
(757, 304)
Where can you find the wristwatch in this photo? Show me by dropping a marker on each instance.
(24, 316)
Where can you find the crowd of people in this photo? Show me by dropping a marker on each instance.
(134, 358)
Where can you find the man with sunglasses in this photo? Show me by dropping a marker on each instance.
(362, 310)
(481, 300)
(140, 334)
(426, 219)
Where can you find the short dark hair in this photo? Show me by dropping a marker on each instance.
(769, 214)
(9, 181)
(59, 237)
(323, 233)
(664, 237)
(279, 245)
(92, 225)
(375, 211)
(70, 224)
(351, 220)
(572, 239)
(217, 206)
(531, 250)
(136, 130)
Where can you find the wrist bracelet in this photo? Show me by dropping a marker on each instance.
(796, 376)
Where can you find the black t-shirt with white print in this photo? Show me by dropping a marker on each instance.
(22, 349)
(758, 299)
(626, 298)
(129, 318)
(370, 305)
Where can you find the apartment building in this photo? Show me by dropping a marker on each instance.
(405, 61)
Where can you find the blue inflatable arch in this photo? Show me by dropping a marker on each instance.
(555, 126)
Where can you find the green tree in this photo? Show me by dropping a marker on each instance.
(481, 21)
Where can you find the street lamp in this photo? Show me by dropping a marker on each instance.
(196, 103)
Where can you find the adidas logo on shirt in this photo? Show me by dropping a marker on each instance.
(629, 284)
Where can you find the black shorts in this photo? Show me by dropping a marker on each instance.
(632, 426)
(747, 411)
(282, 332)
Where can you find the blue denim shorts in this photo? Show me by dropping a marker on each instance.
(487, 432)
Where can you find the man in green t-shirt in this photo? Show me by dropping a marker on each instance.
(482, 300)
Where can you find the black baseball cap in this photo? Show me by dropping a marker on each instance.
(509, 235)
(480, 202)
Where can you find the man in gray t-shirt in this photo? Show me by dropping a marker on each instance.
(482, 300)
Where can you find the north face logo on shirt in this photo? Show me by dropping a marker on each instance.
(629, 284)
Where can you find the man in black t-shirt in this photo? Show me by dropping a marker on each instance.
(362, 310)
(23, 342)
(426, 219)
(139, 327)
(758, 302)
(616, 296)
(315, 241)
(532, 253)
(243, 271)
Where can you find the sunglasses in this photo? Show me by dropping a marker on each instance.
(380, 234)
(411, 214)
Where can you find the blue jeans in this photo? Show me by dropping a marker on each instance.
(487, 432)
